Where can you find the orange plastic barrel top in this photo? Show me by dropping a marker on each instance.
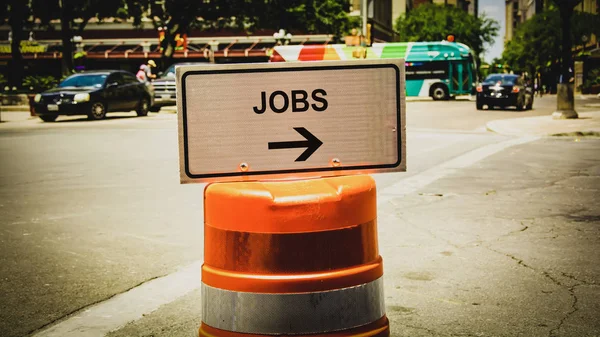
(300, 235)
(291, 206)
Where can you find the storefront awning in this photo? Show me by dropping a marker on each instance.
(197, 47)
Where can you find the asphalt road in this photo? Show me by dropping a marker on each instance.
(91, 209)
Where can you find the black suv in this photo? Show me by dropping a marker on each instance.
(94, 93)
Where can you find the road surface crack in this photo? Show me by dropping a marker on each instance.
(574, 309)
(523, 228)
(571, 289)
(525, 265)
(567, 275)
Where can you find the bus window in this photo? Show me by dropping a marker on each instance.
(426, 70)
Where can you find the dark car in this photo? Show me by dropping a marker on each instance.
(504, 90)
(94, 93)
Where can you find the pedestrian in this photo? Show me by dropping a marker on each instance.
(141, 74)
(149, 74)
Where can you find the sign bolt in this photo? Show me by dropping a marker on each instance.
(244, 167)
(336, 162)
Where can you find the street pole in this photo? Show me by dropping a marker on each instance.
(364, 10)
(565, 100)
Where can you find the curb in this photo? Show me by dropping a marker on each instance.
(429, 99)
(542, 126)
(14, 108)
(501, 131)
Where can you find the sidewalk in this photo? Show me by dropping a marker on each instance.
(588, 124)
(504, 248)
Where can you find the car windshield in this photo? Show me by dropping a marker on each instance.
(503, 79)
(170, 72)
(95, 80)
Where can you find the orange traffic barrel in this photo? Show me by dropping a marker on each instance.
(296, 257)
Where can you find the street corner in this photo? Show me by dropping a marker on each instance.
(588, 124)
(7, 116)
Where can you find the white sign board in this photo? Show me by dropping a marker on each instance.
(242, 122)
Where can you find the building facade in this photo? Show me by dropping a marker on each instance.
(517, 12)
(382, 15)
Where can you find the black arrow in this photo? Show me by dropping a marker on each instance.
(311, 144)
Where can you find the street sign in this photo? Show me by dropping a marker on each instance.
(240, 122)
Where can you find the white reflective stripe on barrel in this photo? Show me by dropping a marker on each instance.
(295, 313)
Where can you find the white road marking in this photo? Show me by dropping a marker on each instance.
(418, 181)
(114, 313)
(100, 319)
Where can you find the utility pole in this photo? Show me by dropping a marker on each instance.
(364, 12)
(565, 100)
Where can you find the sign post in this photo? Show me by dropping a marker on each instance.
(242, 122)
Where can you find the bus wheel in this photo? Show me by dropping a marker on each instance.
(439, 92)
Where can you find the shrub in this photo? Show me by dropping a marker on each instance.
(39, 83)
(592, 80)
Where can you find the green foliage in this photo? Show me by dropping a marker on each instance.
(39, 83)
(77, 12)
(432, 22)
(74, 16)
(244, 16)
(584, 24)
(592, 79)
(327, 17)
(307, 16)
(536, 44)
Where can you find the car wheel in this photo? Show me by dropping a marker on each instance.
(439, 92)
(49, 118)
(143, 106)
(97, 111)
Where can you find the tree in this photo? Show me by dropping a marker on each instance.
(74, 16)
(17, 15)
(175, 16)
(535, 46)
(305, 16)
(544, 44)
(432, 22)
(242, 16)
